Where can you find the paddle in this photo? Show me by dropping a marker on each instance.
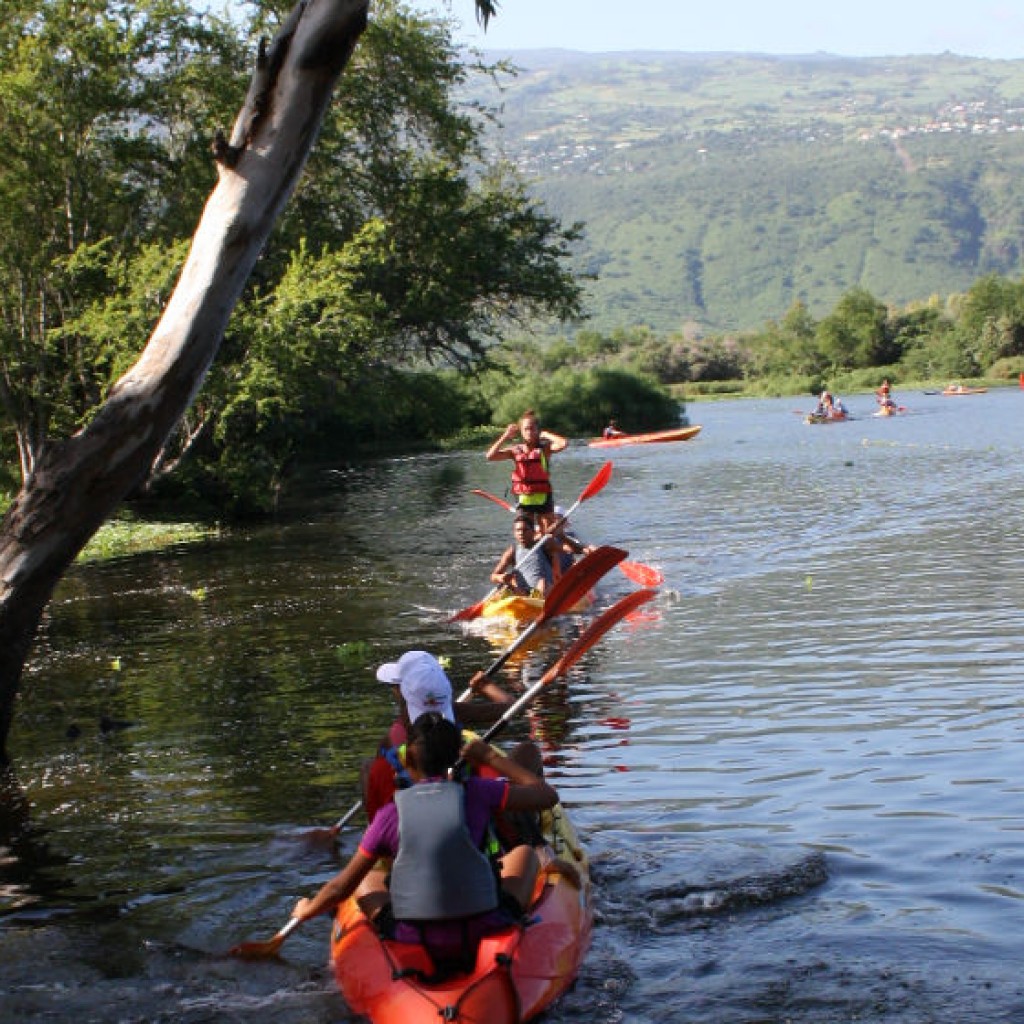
(637, 572)
(269, 947)
(580, 578)
(564, 594)
(601, 478)
(597, 629)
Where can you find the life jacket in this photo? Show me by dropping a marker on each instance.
(439, 873)
(530, 474)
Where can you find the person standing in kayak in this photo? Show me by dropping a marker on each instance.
(443, 890)
(524, 567)
(531, 472)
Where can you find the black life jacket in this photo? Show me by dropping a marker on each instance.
(439, 873)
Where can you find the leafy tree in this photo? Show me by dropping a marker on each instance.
(75, 485)
(853, 335)
(578, 403)
(98, 103)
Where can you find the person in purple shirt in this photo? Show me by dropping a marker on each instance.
(442, 889)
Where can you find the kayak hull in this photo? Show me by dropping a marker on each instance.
(518, 973)
(678, 434)
(524, 609)
(816, 418)
(953, 392)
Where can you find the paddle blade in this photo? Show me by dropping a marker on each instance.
(267, 948)
(493, 497)
(597, 629)
(603, 475)
(580, 578)
(645, 575)
(465, 614)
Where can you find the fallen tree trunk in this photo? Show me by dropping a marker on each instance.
(79, 482)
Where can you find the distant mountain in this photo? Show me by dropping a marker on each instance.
(718, 189)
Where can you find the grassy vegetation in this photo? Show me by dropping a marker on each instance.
(128, 536)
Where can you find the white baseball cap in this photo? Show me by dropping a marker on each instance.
(422, 682)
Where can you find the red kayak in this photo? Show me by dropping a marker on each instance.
(519, 971)
(678, 434)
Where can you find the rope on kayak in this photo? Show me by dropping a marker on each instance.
(417, 980)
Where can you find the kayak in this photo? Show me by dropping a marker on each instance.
(959, 389)
(815, 417)
(519, 971)
(523, 608)
(678, 434)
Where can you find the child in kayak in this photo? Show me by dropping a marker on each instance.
(531, 474)
(442, 890)
(524, 569)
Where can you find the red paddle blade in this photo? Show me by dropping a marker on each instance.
(580, 578)
(597, 629)
(493, 497)
(645, 575)
(603, 475)
(465, 614)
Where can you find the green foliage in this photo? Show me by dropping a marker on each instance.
(721, 189)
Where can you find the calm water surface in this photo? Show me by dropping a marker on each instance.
(799, 777)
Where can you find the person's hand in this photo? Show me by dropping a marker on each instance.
(301, 910)
(478, 682)
(511, 431)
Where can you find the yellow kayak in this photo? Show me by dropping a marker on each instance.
(523, 608)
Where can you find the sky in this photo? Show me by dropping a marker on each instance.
(855, 28)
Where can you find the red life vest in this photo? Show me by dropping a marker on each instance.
(530, 475)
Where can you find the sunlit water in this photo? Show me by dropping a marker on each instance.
(799, 776)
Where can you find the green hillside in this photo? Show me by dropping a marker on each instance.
(717, 190)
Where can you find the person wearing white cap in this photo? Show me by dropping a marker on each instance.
(421, 685)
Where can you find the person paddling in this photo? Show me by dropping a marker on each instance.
(531, 473)
(420, 684)
(442, 890)
(525, 567)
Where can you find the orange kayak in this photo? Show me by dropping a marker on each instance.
(678, 434)
(959, 389)
(518, 973)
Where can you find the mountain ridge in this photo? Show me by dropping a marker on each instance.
(718, 189)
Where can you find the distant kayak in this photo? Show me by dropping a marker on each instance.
(959, 389)
(817, 417)
(678, 434)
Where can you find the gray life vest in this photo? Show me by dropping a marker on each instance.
(533, 567)
(439, 874)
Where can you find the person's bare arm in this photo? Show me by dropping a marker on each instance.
(496, 453)
(338, 889)
(558, 443)
(526, 792)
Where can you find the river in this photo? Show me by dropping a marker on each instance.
(798, 775)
